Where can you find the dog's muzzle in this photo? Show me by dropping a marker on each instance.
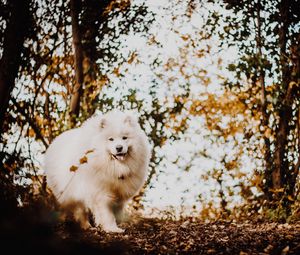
(119, 156)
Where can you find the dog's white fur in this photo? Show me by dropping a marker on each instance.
(109, 178)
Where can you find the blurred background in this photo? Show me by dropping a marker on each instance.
(214, 83)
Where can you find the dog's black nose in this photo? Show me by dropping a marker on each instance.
(119, 148)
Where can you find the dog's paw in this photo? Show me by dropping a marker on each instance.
(85, 225)
(113, 229)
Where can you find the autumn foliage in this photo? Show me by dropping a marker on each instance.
(216, 87)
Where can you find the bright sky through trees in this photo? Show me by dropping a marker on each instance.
(215, 84)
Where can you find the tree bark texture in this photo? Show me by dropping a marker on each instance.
(265, 115)
(78, 58)
(280, 166)
(14, 37)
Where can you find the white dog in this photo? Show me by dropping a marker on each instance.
(98, 167)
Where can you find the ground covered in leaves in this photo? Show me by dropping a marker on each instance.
(188, 236)
(36, 233)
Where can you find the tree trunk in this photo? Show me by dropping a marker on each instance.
(78, 58)
(92, 16)
(15, 33)
(295, 78)
(265, 117)
(280, 165)
(297, 166)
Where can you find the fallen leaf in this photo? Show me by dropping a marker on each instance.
(281, 190)
(210, 251)
(172, 232)
(285, 250)
(73, 168)
(83, 160)
(185, 224)
(89, 151)
(269, 248)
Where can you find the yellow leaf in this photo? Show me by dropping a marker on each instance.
(277, 190)
(89, 151)
(132, 58)
(73, 168)
(117, 72)
(268, 133)
(185, 37)
(31, 132)
(83, 160)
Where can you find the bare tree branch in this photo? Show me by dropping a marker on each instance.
(31, 122)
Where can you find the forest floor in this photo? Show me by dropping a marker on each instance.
(34, 233)
(188, 236)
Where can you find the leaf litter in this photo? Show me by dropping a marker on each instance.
(190, 236)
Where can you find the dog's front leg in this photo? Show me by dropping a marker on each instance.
(105, 218)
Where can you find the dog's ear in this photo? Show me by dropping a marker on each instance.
(130, 120)
(102, 123)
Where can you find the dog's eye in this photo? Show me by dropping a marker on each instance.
(124, 137)
(110, 139)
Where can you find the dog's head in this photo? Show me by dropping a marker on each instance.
(119, 132)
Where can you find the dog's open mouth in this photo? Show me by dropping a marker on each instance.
(119, 156)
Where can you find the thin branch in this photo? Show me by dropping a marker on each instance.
(31, 122)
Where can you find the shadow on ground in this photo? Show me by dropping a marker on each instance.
(36, 230)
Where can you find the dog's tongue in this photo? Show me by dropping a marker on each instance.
(120, 157)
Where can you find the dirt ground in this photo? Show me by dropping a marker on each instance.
(31, 232)
(188, 236)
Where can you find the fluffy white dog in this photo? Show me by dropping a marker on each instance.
(98, 167)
